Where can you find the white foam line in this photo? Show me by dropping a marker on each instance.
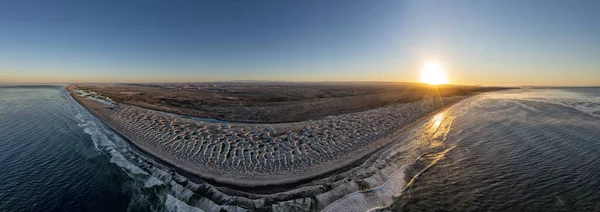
(172, 204)
(372, 198)
(105, 142)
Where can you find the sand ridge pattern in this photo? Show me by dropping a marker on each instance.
(262, 154)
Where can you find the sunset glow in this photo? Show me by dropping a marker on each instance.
(433, 74)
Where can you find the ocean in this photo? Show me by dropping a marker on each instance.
(519, 150)
(56, 156)
(514, 150)
(47, 161)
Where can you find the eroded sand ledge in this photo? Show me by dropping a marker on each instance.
(262, 154)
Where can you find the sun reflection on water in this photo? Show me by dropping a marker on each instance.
(438, 127)
(437, 119)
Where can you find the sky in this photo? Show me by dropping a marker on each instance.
(476, 42)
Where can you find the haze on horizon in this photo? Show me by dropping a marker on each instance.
(477, 42)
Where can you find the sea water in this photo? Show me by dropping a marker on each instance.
(523, 149)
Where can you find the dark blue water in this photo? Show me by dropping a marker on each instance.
(56, 156)
(503, 151)
(47, 162)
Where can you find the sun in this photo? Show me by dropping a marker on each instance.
(433, 74)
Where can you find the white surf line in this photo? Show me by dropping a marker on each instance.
(172, 204)
(105, 142)
(371, 198)
(439, 157)
(381, 196)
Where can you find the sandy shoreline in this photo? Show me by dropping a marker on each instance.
(270, 154)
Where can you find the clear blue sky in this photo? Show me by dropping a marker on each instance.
(477, 42)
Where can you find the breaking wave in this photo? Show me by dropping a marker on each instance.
(579, 99)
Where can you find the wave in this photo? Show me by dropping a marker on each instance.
(587, 103)
(173, 204)
(372, 198)
(590, 106)
(383, 196)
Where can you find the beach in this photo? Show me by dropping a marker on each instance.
(247, 154)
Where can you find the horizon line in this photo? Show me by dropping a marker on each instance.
(284, 81)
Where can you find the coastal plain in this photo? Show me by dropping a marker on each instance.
(261, 134)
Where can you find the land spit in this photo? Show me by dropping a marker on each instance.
(245, 154)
